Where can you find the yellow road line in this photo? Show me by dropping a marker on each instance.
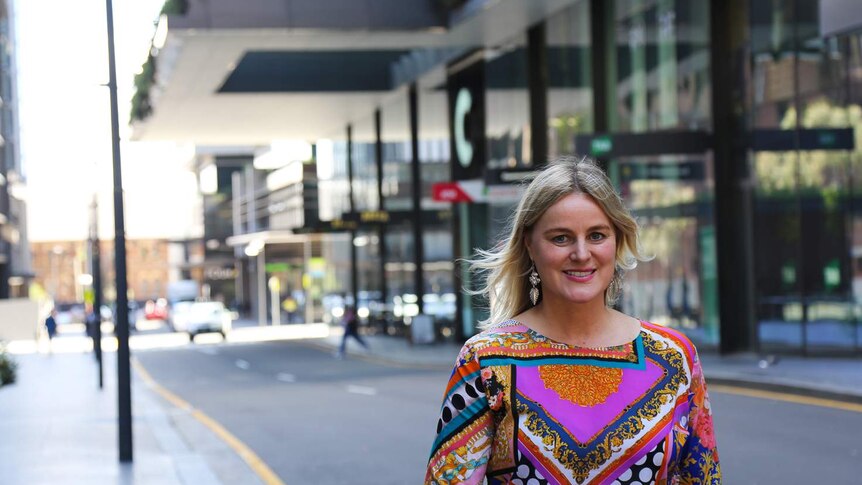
(782, 396)
(254, 462)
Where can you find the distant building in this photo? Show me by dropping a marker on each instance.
(62, 268)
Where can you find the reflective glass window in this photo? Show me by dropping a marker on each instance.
(507, 105)
(663, 78)
(397, 154)
(365, 193)
(570, 94)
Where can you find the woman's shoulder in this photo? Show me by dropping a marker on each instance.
(671, 337)
(494, 335)
(495, 331)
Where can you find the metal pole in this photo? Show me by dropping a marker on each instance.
(416, 197)
(96, 271)
(261, 287)
(309, 302)
(124, 389)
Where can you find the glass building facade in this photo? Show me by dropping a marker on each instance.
(729, 128)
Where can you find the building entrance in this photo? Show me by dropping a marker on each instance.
(671, 197)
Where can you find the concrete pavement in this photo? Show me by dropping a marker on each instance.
(58, 427)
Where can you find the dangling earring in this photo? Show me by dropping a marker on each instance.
(534, 283)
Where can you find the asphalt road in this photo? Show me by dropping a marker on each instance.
(315, 419)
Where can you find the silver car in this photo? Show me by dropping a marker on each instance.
(202, 317)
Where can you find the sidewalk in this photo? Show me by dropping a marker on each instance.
(56, 426)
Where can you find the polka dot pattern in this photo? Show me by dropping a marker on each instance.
(644, 471)
(461, 399)
(526, 473)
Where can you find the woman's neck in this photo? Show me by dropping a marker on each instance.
(589, 324)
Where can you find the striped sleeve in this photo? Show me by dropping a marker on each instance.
(462, 445)
(699, 459)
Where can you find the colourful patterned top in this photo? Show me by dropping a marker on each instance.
(522, 408)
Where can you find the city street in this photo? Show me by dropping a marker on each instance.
(316, 419)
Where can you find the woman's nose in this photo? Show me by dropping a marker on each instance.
(579, 251)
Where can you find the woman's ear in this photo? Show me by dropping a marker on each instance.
(527, 245)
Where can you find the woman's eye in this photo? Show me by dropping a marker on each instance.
(597, 236)
(559, 239)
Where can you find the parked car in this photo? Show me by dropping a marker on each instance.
(156, 310)
(177, 314)
(202, 317)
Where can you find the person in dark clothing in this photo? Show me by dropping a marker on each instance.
(350, 322)
(51, 324)
(93, 322)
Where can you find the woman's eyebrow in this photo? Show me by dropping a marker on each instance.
(566, 229)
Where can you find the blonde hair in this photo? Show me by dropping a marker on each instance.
(507, 267)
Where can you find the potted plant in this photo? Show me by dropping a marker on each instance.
(8, 366)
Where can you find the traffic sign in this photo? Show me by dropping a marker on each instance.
(461, 191)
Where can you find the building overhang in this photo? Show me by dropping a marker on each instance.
(243, 84)
(264, 238)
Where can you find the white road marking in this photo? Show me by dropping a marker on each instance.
(242, 364)
(285, 377)
(365, 390)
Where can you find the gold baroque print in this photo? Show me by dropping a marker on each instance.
(625, 430)
(672, 356)
(584, 385)
(499, 388)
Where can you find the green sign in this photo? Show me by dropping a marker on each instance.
(601, 145)
(788, 274)
(832, 275)
(826, 138)
(277, 267)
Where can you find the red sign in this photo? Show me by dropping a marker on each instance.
(449, 192)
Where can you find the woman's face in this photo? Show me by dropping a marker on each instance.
(573, 246)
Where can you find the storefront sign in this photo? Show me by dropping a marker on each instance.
(211, 273)
(466, 94)
(689, 170)
(374, 216)
(463, 146)
(449, 192)
(805, 139)
(601, 145)
(460, 191)
(277, 267)
(612, 145)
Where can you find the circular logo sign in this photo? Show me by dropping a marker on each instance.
(463, 146)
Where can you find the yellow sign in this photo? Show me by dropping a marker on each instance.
(342, 224)
(274, 284)
(374, 216)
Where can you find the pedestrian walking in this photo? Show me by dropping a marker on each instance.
(51, 328)
(560, 387)
(350, 322)
(92, 322)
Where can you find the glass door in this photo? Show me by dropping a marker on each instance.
(672, 198)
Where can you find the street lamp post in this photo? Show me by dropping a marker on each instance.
(121, 318)
(96, 271)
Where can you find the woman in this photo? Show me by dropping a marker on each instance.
(560, 387)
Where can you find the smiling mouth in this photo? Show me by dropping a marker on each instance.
(580, 274)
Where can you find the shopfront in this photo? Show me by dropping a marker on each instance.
(732, 137)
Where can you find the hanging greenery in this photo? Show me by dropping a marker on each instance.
(141, 107)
